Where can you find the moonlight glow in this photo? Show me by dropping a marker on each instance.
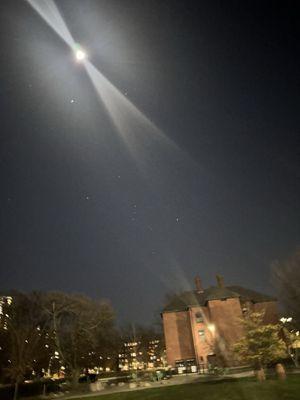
(80, 55)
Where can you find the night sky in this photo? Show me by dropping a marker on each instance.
(132, 215)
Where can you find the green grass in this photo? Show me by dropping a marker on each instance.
(243, 389)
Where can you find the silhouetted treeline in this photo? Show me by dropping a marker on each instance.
(54, 332)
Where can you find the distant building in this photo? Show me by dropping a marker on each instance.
(200, 324)
(139, 355)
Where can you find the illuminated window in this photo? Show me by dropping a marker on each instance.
(201, 334)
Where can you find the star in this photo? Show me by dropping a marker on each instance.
(87, 197)
(72, 101)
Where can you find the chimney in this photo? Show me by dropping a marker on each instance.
(220, 281)
(198, 283)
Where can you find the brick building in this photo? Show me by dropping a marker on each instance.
(200, 323)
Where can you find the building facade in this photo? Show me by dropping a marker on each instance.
(140, 355)
(201, 324)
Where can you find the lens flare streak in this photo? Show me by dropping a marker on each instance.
(137, 131)
(48, 10)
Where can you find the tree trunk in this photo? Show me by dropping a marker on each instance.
(75, 378)
(16, 390)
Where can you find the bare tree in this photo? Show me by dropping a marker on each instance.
(286, 276)
(36, 328)
(78, 325)
(22, 333)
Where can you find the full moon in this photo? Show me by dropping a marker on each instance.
(80, 55)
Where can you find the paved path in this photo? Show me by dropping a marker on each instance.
(175, 380)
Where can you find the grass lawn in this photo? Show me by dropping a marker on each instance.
(227, 390)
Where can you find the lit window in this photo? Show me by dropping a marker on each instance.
(201, 334)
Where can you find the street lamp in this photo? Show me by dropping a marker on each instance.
(284, 319)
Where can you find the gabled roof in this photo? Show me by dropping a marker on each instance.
(251, 295)
(185, 300)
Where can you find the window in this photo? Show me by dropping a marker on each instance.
(199, 318)
(201, 334)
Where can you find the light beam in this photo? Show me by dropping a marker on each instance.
(138, 131)
(135, 128)
(48, 10)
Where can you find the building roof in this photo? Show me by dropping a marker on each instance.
(251, 295)
(185, 300)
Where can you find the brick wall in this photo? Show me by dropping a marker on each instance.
(271, 311)
(203, 344)
(182, 330)
(178, 336)
(226, 315)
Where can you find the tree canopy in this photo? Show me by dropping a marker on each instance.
(261, 344)
(43, 330)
